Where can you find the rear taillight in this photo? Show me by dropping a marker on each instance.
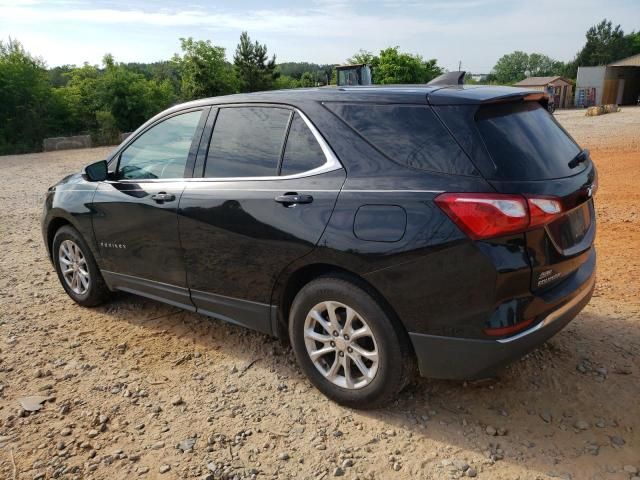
(487, 215)
(543, 210)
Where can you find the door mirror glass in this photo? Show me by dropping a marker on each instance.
(96, 172)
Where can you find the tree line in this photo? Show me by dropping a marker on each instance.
(37, 102)
(605, 43)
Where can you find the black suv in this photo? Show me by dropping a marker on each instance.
(375, 227)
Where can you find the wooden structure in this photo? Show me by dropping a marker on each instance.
(557, 87)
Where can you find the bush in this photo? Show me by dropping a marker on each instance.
(107, 132)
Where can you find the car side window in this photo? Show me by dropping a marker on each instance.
(302, 152)
(161, 151)
(247, 142)
(407, 134)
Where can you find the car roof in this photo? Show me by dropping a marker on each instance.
(436, 95)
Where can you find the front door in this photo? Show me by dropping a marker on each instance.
(259, 206)
(135, 221)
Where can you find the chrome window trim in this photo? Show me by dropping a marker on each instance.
(331, 160)
(391, 191)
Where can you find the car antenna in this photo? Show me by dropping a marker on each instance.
(448, 79)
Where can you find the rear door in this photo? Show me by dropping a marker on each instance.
(520, 148)
(269, 185)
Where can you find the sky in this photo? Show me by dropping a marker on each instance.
(474, 32)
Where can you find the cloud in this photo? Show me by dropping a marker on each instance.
(474, 31)
(340, 20)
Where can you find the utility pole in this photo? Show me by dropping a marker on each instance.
(459, 65)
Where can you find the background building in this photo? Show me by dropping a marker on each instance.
(618, 82)
(558, 87)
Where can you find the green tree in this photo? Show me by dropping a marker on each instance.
(518, 65)
(24, 99)
(604, 44)
(79, 97)
(204, 70)
(307, 80)
(393, 66)
(634, 43)
(59, 76)
(284, 82)
(362, 56)
(107, 132)
(129, 96)
(511, 67)
(254, 69)
(541, 65)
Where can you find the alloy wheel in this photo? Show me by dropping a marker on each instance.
(341, 345)
(73, 266)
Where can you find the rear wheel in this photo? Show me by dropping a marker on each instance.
(347, 345)
(77, 269)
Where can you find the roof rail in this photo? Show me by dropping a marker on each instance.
(448, 79)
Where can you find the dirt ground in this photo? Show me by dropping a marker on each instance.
(137, 388)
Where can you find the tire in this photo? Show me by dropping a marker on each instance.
(388, 359)
(69, 246)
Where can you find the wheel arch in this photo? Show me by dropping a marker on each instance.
(298, 278)
(58, 218)
(55, 224)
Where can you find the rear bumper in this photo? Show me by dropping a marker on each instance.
(461, 358)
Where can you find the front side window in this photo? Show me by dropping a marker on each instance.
(247, 142)
(161, 151)
(302, 152)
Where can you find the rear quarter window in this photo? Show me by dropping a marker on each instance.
(410, 135)
(525, 142)
(302, 152)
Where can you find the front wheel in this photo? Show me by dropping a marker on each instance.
(77, 269)
(347, 345)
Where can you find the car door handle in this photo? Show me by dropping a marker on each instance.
(290, 199)
(162, 197)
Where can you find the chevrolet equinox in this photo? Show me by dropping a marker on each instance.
(378, 228)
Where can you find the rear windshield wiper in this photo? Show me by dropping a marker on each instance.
(579, 158)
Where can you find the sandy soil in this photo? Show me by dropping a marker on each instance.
(137, 388)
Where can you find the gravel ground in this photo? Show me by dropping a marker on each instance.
(139, 389)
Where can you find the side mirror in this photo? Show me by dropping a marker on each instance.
(96, 172)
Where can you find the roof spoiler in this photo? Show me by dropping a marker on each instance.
(448, 79)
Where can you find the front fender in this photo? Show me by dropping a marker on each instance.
(70, 203)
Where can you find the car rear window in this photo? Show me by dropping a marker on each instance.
(411, 135)
(525, 142)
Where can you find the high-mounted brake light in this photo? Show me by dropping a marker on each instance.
(487, 215)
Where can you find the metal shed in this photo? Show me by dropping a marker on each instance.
(617, 82)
